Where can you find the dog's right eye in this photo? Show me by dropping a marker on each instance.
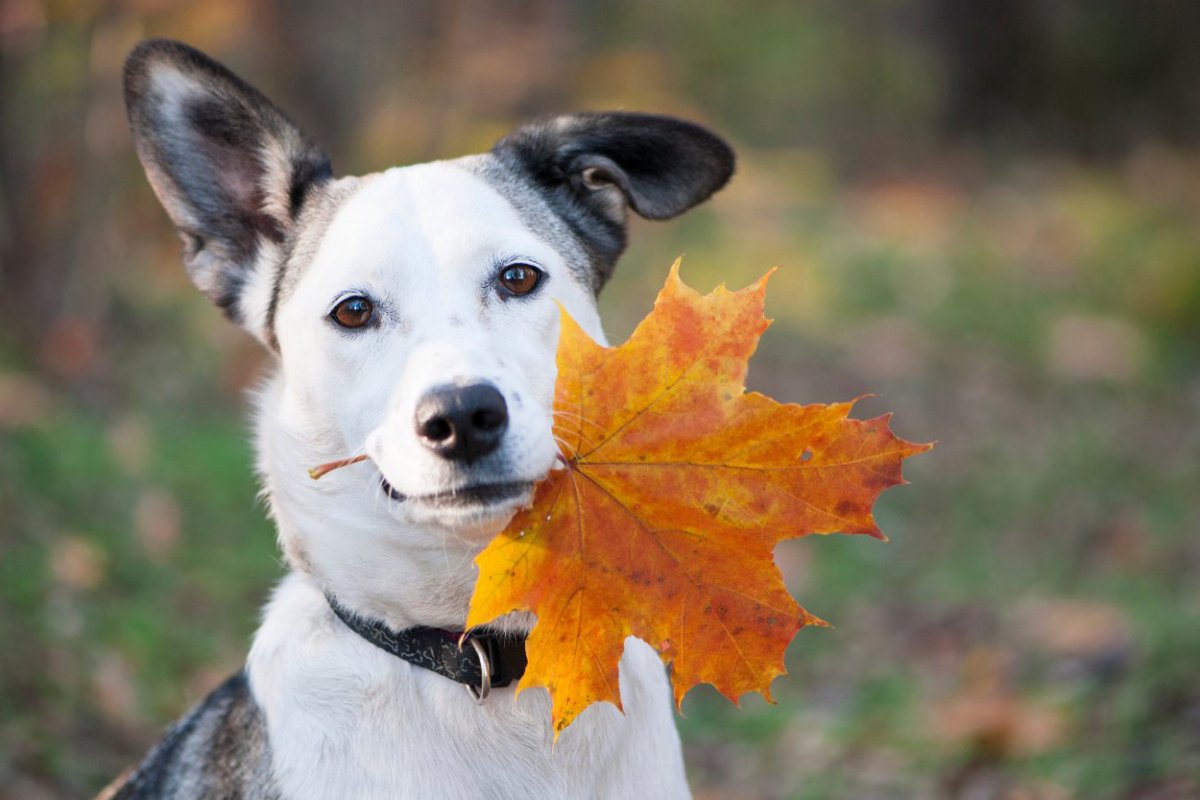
(518, 280)
(353, 312)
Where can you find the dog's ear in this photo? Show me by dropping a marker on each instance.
(231, 170)
(596, 166)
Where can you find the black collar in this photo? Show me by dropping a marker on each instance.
(451, 654)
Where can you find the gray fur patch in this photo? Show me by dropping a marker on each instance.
(318, 213)
(219, 749)
(533, 207)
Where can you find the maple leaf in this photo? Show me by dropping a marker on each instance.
(676, 488)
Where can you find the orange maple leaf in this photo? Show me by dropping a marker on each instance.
(676, 488)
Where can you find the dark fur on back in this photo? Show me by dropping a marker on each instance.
(219, 750)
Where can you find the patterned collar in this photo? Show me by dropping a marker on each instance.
(480, 660)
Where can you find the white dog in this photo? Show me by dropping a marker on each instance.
(412, 314)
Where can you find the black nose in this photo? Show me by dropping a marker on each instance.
(462, 423)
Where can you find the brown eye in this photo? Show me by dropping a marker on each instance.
(353, 312)
(520, 279)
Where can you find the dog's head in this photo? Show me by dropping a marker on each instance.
(413, 311)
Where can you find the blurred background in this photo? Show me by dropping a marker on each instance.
(988, 215)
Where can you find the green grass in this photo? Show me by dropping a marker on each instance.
(159, 618)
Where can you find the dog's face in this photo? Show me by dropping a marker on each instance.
(414, 312)
(422, 328)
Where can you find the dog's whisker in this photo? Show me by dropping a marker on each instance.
(575, 424)
(569, 415)
(571, 453)
(569, 428)
(563, 429)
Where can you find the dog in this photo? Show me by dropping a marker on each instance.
(413, 317)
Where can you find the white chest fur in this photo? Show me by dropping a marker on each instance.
(347, 720)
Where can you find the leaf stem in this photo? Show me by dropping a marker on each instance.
(320, 471)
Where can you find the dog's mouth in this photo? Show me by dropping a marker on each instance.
(477, 495)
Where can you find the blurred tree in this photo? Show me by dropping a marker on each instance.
(1094, 77)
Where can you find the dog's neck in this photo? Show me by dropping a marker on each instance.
(401, 586)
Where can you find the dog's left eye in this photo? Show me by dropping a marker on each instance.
(518, 280)
(353, 312)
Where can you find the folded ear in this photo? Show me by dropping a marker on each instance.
(596, 166)
(231, 170)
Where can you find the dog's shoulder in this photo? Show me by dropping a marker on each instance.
(219, 749)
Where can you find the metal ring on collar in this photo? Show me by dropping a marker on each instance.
(485, 667)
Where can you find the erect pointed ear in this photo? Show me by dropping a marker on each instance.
(231, 170)
(596, 166)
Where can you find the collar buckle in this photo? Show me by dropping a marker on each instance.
(485, 667)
